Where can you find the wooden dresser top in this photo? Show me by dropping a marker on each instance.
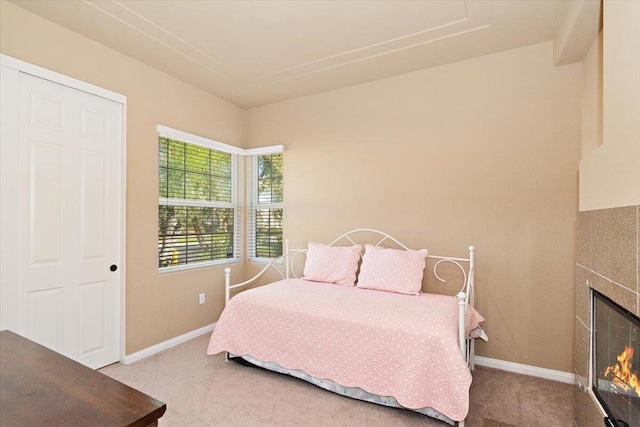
(41, 387)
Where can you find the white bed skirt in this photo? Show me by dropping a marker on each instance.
(353, 392)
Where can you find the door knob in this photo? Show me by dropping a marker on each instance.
(113, 267)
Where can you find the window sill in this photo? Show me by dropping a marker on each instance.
(197, 266)
(266, 260)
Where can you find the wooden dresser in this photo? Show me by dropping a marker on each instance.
(39, 387)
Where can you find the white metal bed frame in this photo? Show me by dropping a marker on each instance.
(465, 295)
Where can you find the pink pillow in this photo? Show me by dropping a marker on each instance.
(332, 264)
(392, 270)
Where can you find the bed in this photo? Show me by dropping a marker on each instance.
(377, 338)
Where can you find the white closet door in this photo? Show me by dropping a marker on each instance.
(69, 223)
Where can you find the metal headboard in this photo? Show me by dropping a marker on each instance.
(467, 274)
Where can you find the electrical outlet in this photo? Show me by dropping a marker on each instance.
(201, 298)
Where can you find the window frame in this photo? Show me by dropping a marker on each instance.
(235, 203)
(241, 195)
(253, 203)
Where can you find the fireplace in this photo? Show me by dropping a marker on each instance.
(616, 361)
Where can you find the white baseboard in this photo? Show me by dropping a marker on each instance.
(518, 368)
(150, 351)
(534, 371)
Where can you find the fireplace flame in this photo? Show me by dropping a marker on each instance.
(621, 374)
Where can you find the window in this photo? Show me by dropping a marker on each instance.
(266, 196)
(198, 209)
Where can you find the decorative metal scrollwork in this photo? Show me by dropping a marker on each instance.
(464, 273)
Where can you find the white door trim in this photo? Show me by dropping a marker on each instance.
(34, 70)
(43, 73)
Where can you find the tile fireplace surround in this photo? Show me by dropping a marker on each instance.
(606, 260)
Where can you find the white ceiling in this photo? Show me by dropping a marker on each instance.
(253, 53)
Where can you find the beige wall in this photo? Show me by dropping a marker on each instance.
(610, 175)
(479, 152)
(592, 98)
(158, 307)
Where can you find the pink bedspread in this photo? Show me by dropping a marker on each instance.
(387, 344)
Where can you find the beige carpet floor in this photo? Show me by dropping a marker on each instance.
(202, 390)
